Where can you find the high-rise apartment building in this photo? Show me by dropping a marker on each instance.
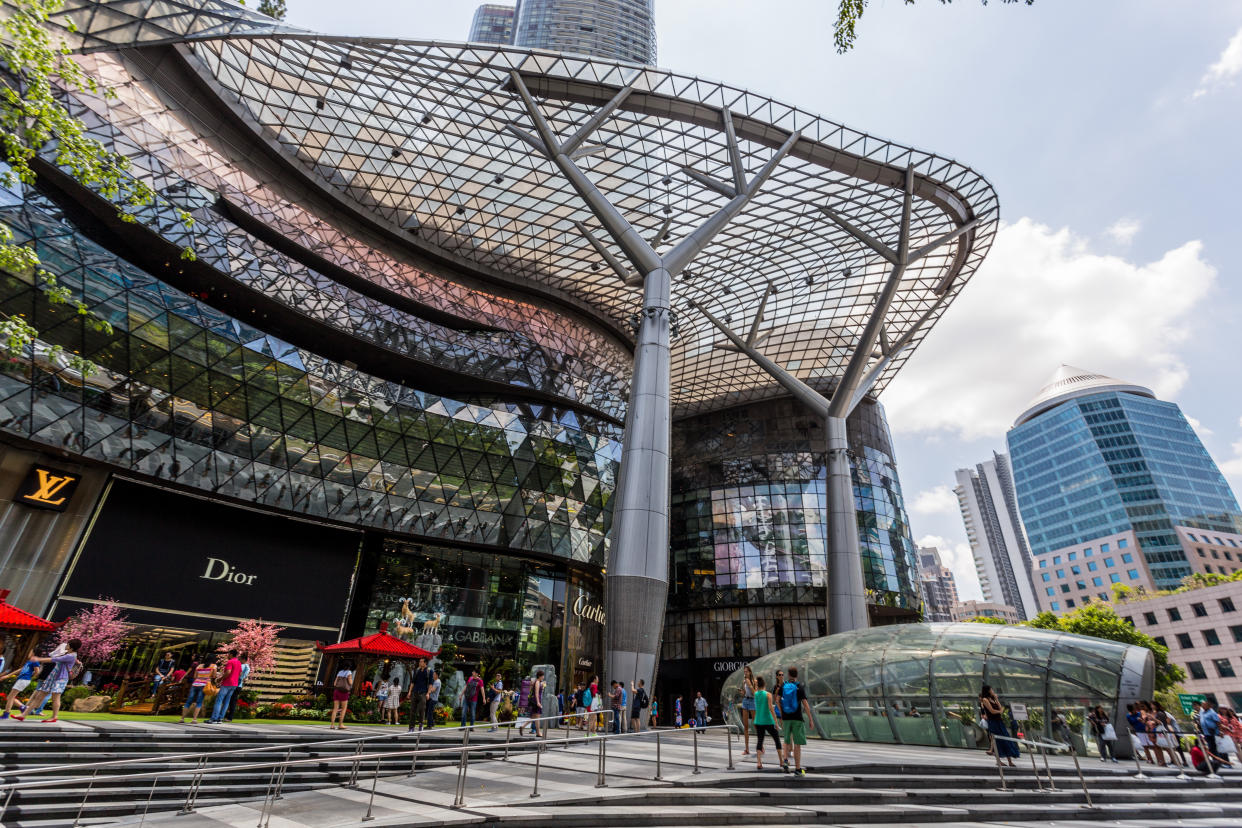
(1114, 486)
(939, 585)
(985, 494)
(614, 29)
(493, 23)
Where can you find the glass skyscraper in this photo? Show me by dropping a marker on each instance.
(1095, 457)
(493, 23)
(985, 496)
(613, 29)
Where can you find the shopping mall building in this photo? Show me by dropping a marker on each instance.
(391, 383)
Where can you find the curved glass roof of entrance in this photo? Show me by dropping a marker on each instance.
(415, 138)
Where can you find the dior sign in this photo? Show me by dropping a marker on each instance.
(220, 570)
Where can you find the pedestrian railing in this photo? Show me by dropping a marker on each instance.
(278, 768)
(1043, 748)
(1175, 752)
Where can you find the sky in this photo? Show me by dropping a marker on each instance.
(1109, 129)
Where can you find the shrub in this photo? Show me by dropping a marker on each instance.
(72, 694)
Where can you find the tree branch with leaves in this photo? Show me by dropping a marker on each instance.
(845, 32)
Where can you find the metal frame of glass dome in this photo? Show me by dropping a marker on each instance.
(919, 684)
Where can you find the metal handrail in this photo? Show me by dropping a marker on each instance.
(280, 767)
(174, 757)
(1052, 785)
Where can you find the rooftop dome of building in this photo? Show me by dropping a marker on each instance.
(1068, 383)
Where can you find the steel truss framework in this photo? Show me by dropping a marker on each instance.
(744, 201)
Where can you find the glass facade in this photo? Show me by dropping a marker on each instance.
(748, 567)
(1107, 463)
(493, 23)
(919, 683)
(614, 29)
(503, 613)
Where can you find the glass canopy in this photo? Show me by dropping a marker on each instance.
(918, 684)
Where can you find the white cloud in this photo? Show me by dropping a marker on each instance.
(956, 556)
(1123, 231)
(1225, 70)
(1232, 468)
(1200, 428)
(1040, 299)
(938, 501)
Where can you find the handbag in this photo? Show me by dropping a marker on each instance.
(1110, 733)
(1225, 745)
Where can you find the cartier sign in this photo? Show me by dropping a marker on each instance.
(47, 488)
(588, 612)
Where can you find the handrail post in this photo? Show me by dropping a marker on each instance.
(1082, 779)
(147, 807)
(508, 739)
(696, 751)
(535, 791)
(418, 740)
(269, 800)
(280, 780)
(996, 755)
(658, 777)
(1052, 785)
(600, 777)
(7, 799)
(460, 799)
(729, 738)
(353, 773)
(1035, 770)
(77, 820)
(371, 802)
(1137, 765)
(188, 807)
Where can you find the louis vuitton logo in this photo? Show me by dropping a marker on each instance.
(48, 488)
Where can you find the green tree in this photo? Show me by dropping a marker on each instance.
(851, 11)
(1099, 620)
(272, 8)
(34, 70)
(985, 619)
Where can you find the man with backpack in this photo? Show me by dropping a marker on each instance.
(792, 701)
(639, 702)
(420, 683)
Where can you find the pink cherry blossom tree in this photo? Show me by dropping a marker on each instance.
(101, 629)
(258, 640)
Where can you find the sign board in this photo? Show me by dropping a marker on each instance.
(47, 488)
(1018, 711)
(1188, 700)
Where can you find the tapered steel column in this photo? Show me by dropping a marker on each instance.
(847, 599)
(637, 579)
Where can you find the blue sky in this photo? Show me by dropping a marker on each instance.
(1110, 129)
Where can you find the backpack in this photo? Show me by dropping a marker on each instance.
(789, 698)
(642, 698)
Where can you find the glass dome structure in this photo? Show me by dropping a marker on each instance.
(918, 684)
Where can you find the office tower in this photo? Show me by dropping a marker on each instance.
(613, 29)
(1114, 486)
(939, 586)
(493, 23)
(989, 509)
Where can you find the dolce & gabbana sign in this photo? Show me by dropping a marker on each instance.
(587, 611)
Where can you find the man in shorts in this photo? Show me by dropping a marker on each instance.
(27, 674)
(57, 680)
(791, 699)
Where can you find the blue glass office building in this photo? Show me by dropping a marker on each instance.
(1093, 456)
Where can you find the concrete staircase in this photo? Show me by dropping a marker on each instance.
(28, 748)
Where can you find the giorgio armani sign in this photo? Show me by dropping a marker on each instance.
(185, 561)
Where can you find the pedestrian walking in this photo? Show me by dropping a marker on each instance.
(616, 702)
(200, 675)
(390, 706)
(595, 703)
(1209, 722)
(470, 696)
(534, 703)
(495, 692)
(765, 722)
(749, 707)
(700, 709)
(654, 718)
(1205, 761)
(1228, 733)
(57, 680)
(342, 686)
(25, 677)
(419, 682)
(580, 706)
(795, 715)
(241, 685)
(433, 698)
(677, 718)
(625, 705)
(1104, 732)
(994, 714)
(230, 677)
(639, 703)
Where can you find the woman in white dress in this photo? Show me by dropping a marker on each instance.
(392, 704)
